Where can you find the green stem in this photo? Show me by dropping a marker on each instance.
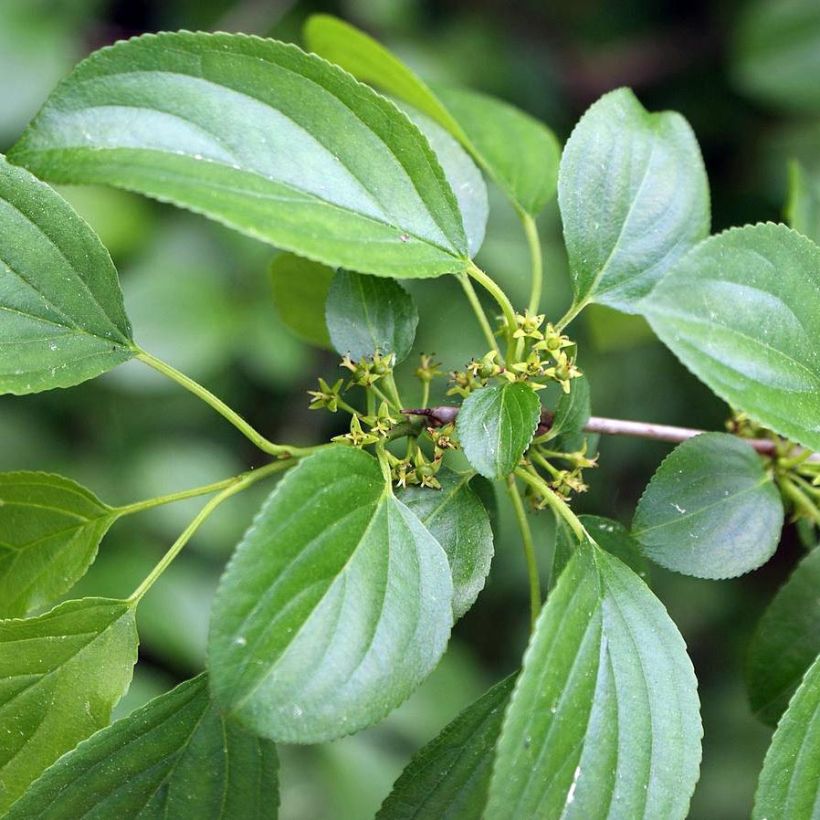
(425, 394)
(472, 298)
(573, 311)
(495, 291)
(537, 457)
(534, 243)
(161, 500)
(529, 550)
(217, 404)
(558, 505)
(800, 500)
(393, 390)
(238, 484)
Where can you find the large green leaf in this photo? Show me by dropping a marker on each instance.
(175, 757)
(710, 510)
(336, 605)
(60, 676)
(50, 528)
(449, 777)
(495, 426)
(777, 53)
(742, 312)
(604, 719)
(571, 414)
(261, 136)
(458, 520)
(634, 198)
(786, 641)
(517, 151)
(789, 786)
(300, 289)
(803, 205)
(61, 314)
(370, 314)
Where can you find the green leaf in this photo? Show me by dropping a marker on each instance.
(517, 151)
(448, 778)
(335, 606)
(710, 510)
(458, 520)
(62, 319)
(789, 786)
(742, 312)
(604, 719)
(300, 289)
(786, 641)
(633, 196)
(50, 528)
(776, 50)
(803, 205)
(571, 414)
(369, 314)
(495, 425)
(60, 675)
(563, 548)
(175, 757)
(262, 137)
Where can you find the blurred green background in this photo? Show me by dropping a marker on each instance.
(746, 78)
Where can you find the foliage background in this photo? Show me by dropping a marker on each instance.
(198, 296)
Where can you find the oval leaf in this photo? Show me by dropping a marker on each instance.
(60, 675)
(300, 289)
(495, 425)
(517, 151)
(633, 196)
(458, 520)
(786, 641)
(50, 528)
(571, 415)
(789, 786)
(604, 719)
(370, 314)
(449, 777)
(260, 136)
(174, 757)
(710, 510)
(62, 319)
(742, 312)
(336, 605)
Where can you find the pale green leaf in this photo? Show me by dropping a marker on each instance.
(458, 520)
(61, 314)
(742, 312)
(336, 605)
(517, 151)
(789, 785)
(300, 289)
(803, 205)
(495, 425)
(258, 135)
(786, 641)
(176, 757)
(448, 778)
(370, 314)
(633, 196)
(60, 675)
(604, 719)
(50, 528)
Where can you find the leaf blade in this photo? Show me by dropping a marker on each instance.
(299, 293)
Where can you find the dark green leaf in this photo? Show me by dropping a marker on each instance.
(786, 641)
(517, 151)
(60, 675)
(449, 777)
(457, 519)
(634, 198)
(336, 605)
(742, 312)
(604, 719)
(300, 289)
(710, 510)
(262, 137)
(789, 786)
(495, 426)
(61, 314)
(370, 314)
(571, 414)
(563, 547)
(176, 757)
(50, 528)
(803, 206)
